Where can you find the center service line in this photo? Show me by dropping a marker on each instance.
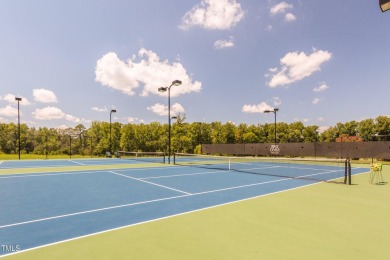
(155, 184)
(77, 162)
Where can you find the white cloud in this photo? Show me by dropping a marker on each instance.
(159, 109)
(50, 113)
(44, 96)
(72, 119)
(316, 101)
(296, 66)
(222, 44)
(63, 127)
(322, 129)
(280, 8)
(259, 108)
(290, 17)
(104, 109)
(177, 108)
(277, 101)
(321, 119)
(135, 120)
(213, 14)
(10, 98)
(162, 110)
(150, 71)
(8, 111)
(321, 88)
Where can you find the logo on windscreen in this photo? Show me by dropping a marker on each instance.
(274, 149)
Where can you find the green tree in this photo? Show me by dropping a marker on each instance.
(217, 136)
(250, 137)
(295, 132)
(282, 132)
(351, 128)
(383, 126)
(241, 130)
(329, 135)
(228, 130)
(310, 134)
(366, 129)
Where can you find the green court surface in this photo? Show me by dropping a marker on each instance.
(323, 221)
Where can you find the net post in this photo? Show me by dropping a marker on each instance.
(163, 158)
(345, 171)
(230, 164)
(174, 158)
(349, 173)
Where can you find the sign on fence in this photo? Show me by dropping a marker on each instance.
(274, 150)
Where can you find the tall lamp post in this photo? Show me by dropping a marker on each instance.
(18, 99)
(273, 111)
(174, 118)
(112, 111)
(384, 5)
(163, 89)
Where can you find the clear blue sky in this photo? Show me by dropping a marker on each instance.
(320, 62)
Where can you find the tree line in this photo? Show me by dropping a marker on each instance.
(185, 137)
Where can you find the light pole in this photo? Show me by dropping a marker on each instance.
(384, 5)
(163, 89)
(70, 146)
(273, 111)
(175, 118)
(112, 111)
(46, 146)
(18, 99)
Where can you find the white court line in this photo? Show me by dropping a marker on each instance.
(155, 184)
(90, 211)
(50, 174)
(146, 202)
(42, 174)
(76, 162)
(183, 175)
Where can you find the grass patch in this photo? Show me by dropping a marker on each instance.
(324, 221)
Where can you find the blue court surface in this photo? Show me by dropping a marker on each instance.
(39, 209)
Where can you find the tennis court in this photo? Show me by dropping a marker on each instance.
(45, 207)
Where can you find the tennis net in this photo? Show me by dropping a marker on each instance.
(327, 170)
(153, 157)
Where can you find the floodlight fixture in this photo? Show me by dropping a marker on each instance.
(384, 5)
(162, 89)
(176, 83)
